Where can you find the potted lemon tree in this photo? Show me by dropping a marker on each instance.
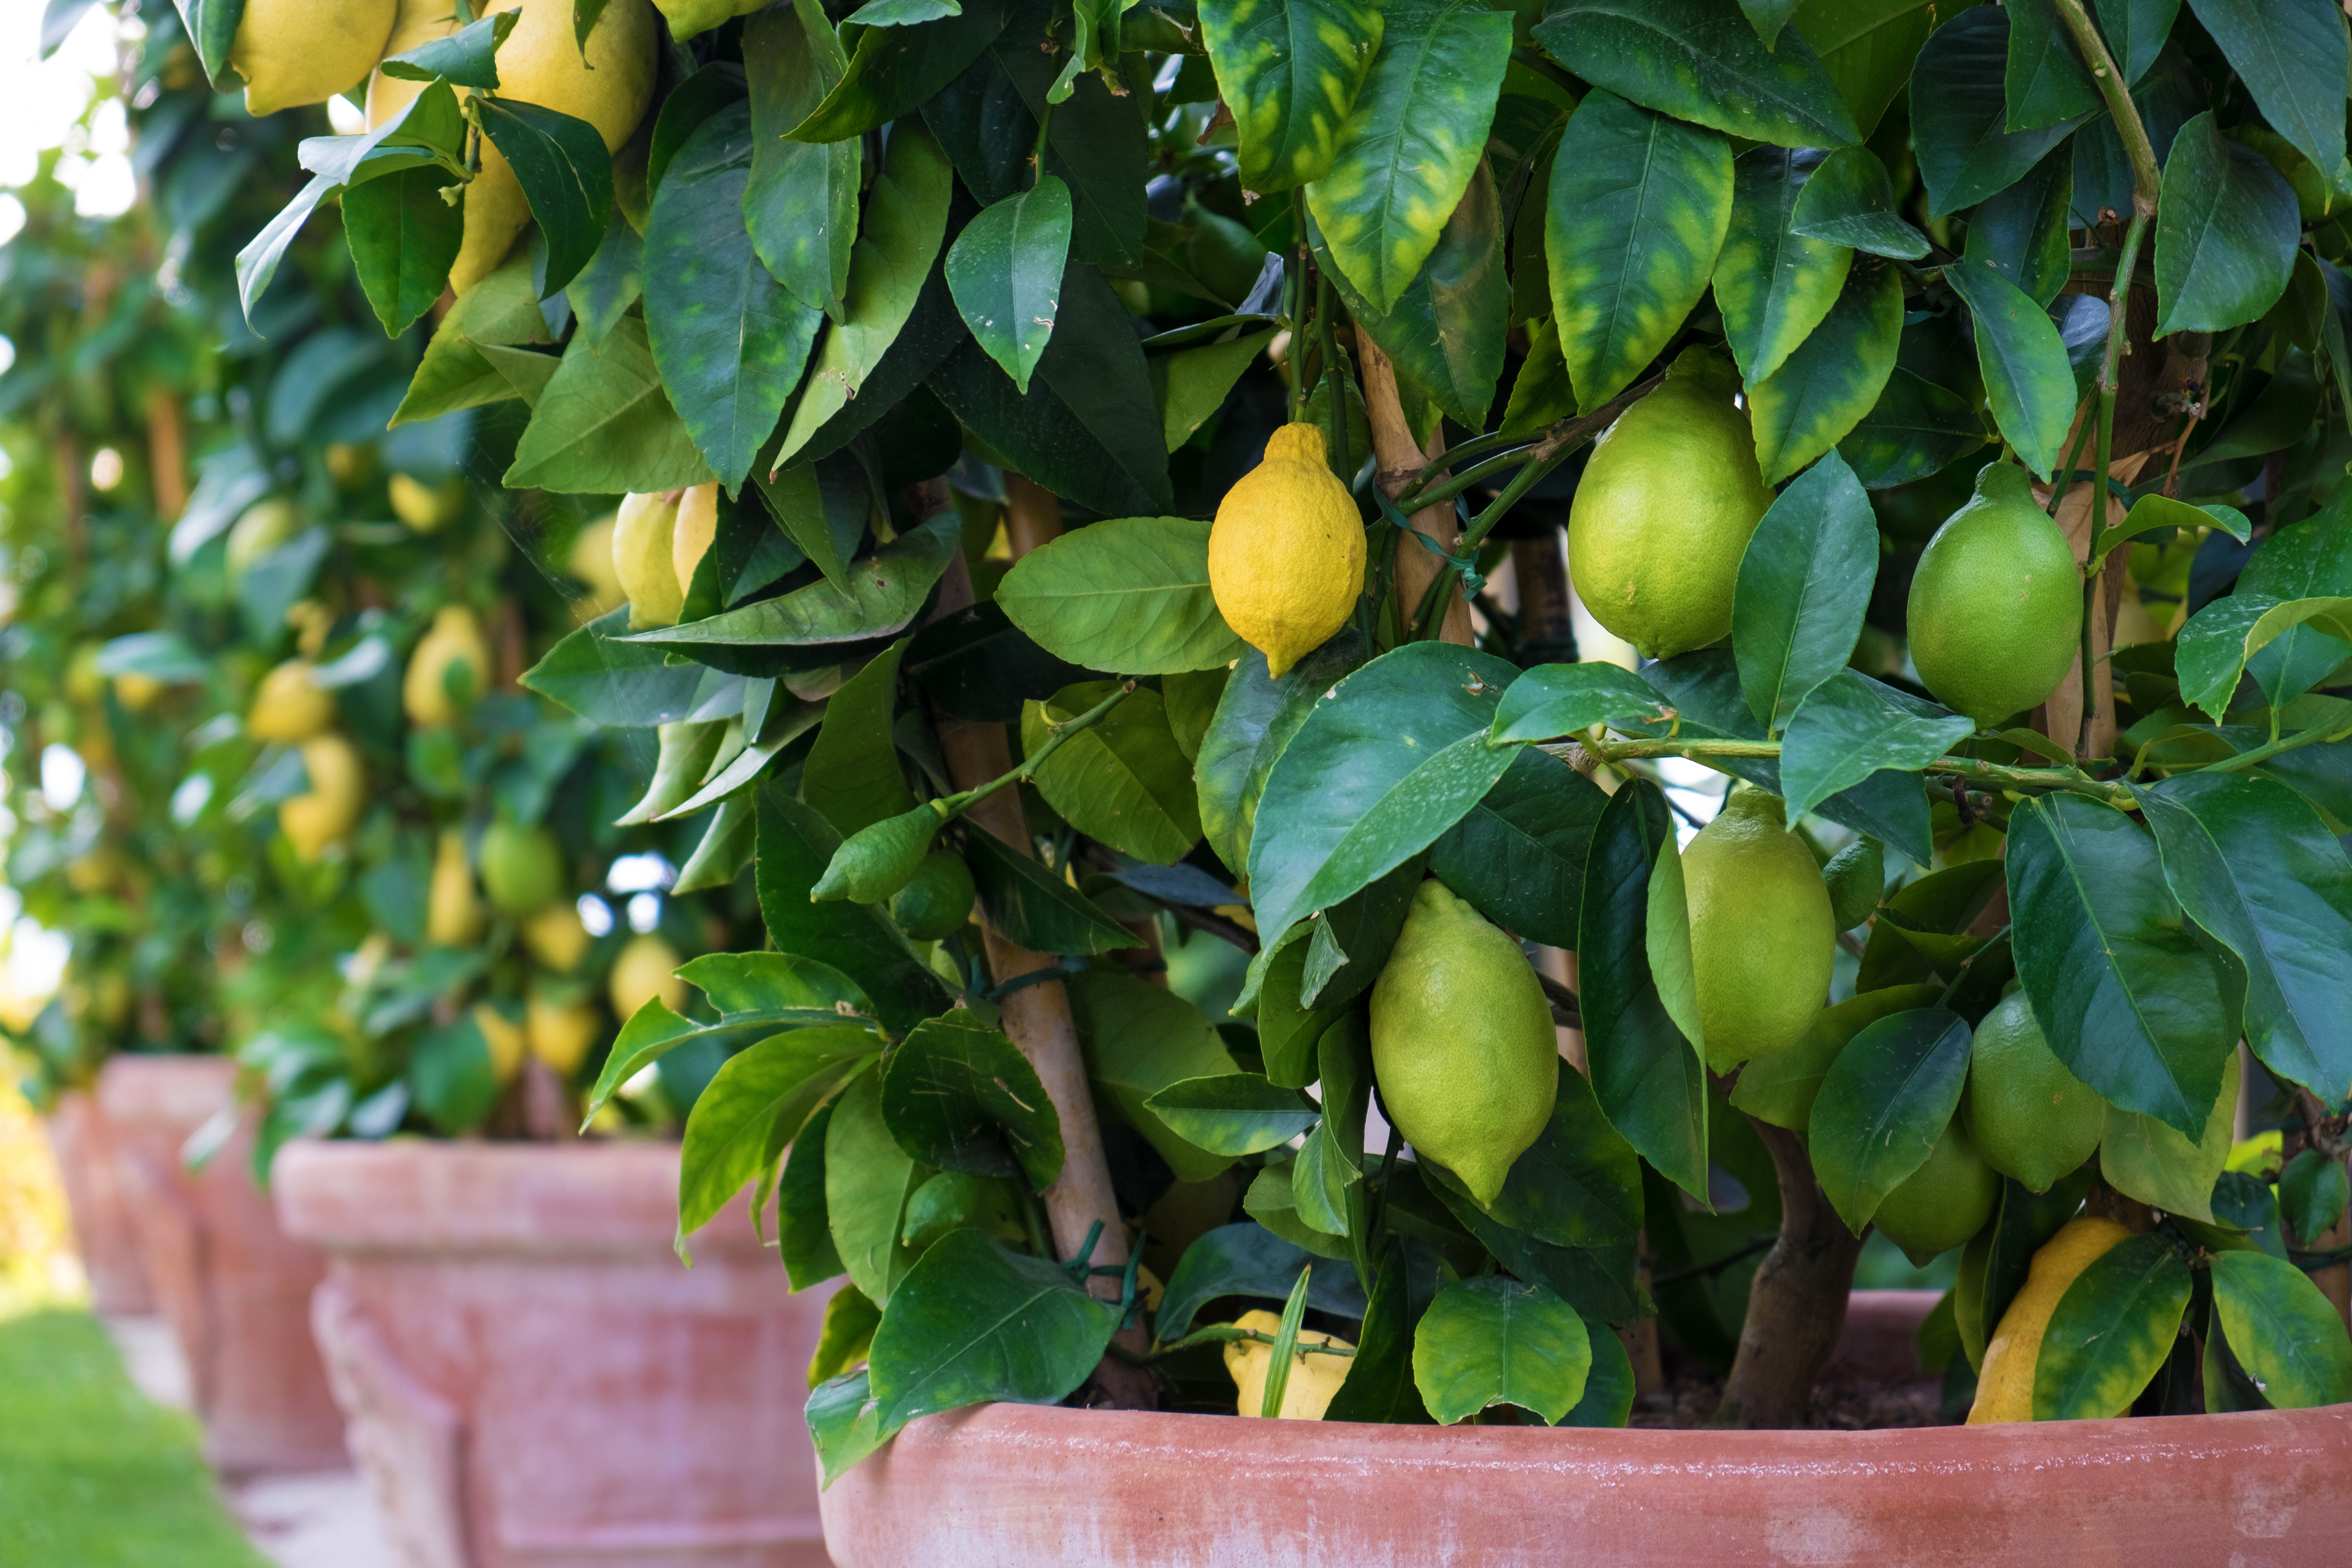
(1172, 825)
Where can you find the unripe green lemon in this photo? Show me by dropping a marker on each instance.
(1943, 1203)
(688, 17)
(259, 530)
(1461, 1041)
(1995, 612)
(937, 902)
(2033, 1119)
(523, 868)
(644, 539)
(1762, 935)
(1664, 512)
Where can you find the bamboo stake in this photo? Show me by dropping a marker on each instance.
(1402, 459)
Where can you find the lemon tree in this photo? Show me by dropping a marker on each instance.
(1103, 509)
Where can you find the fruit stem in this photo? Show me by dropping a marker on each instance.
(1960, 977)
(2146, 181)
(955, 805)
(2074, 781)
(1559, 441)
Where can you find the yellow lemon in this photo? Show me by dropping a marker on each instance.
(416, 22)
(557, 937)
(540, 63)
(1315, 1376)
(2005, 1387)
(425, 508)
(1461, 1041)
(1762, 933)
(1995, 617)
(1286, 552)
(1663, 514)
(505, 1038)
(326, 813)
(644, 559)
(2032, 1119)
(645, 970)
(454, 916)
(290, 706)
(689, 540)
(590, 561)
(293, 52)
(454, 638)
(137, 692)
(259, 530)
(560, 1033)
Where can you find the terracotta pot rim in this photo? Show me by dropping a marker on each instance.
(422, 1195)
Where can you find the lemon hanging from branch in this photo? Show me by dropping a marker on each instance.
(1286, 555)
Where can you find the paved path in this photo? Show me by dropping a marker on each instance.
(321, 1520)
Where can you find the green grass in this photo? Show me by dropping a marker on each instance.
(91, 1474)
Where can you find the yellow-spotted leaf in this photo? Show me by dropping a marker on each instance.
(1289, 70)
(1412, 143)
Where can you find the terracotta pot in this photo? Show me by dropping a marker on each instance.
(1016, 1486)
(236, 1290)
(532, 1377)
(83, 1145)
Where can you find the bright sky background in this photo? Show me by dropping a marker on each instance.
(42, 104)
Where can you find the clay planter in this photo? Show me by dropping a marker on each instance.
(83, 1145)
(1016, 1486)
(237, 1292)
(534, 1380)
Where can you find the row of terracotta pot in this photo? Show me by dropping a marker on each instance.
(500, 1335)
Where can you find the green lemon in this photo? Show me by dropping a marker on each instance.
(523, 868)
(1943, 1203)
(937, 902)
(1462, 1042)
(1762, 933)
(1663, 514)
(2033, 1119)
(1995, 612)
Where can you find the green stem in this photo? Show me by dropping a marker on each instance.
(1297, 289)
(1993, 775)
(1334, 380)
(1526, 479)
(2264, 752)
(1967, 963)
(2146, 181)
(1445, 491)
(2073, 450)
(953, 807)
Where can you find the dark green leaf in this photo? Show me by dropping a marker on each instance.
(800, 203)
(973, 1321)
(1234, 1114)
(1387, 761)
(2125, 994)
(958, 1097)
(2287, 1335)
(755, 1107)
(852, 775)
(598, 674)
(565, 174)
(1129, 595)
(1780, 1087)
(2255, 865)
(1867, 47)
(613, 281)
(975, 664)
(1096, 144)
(1249, 1261)
(2020, 233)
(1290, 69)
(1959, 128)
(1926, 418)
(604, 427)
(2313, 1192)
(1496, 1341)
(2226, 229)
(1804, 583)
(451, 1079)
(1637, 211)
(499, 310)
(867, 1180)
(1556, 700)
(1519, 855)
(467, 58)
(1854, 726)
(1646, 1073)
(1138, 1038)
(803, 1232)
(2027, 378)
(1379, 1385)
(2045, 81)
(404, 237)
(894, 69)
(794, 846)
(886, 589)
(1033, 908)
(1774, 285)
(2136, 31)
(1123, 780)
(1849, 200)
(1580, 1184)
(1410, 146)
(2291, 54)
(2112, 1330)
(1005, 271)
(1254, 720)
(1881, 1105)
(1701, 61)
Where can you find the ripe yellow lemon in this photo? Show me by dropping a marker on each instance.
(557, 937)
(454, 638)
(590, 561)
(505, 1038)
(646, 968)
(416, 22)
(2005, 1386)
(1461, 1041)
(690, 541)
(2032, 1119)
(560, 1033)
(1315, 1376)
(523, 868)
(425, 508)
(326, 813)
(645, 561)
(1664, 510)
(1762, 935)
(1996, 610)
(1286, 554)
(290, 706)
(540, 63)
(136, 692)
(1943, 1203)
(454, 916)
(293, 52)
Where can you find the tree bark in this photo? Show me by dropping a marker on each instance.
(1796, 1308)
(1037, 1017)
(1400, 457)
